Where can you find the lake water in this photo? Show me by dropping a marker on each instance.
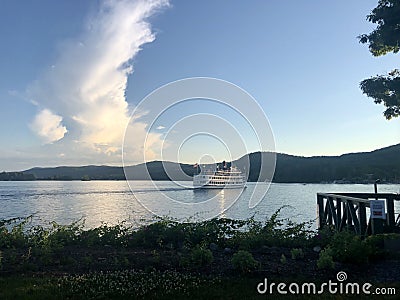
(115, 201)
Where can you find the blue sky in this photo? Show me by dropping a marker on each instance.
(72, 71)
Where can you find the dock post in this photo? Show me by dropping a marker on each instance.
(390, 218)
(320, 205)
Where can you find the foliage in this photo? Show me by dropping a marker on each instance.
(163, 233)
(244, 261)
(36, 247)
(170, 243)
(100, 261)
(165, 244)
(274, 231)
(325, 260)
(212, 231)
(200, 257)
(384, 39)
(171, 234)
(376, 245)
(115, 235)
(384, 89)
(242, 234)
(346, 246)
(283, 259)
(297, 253)
(16, 236)
(324, 236)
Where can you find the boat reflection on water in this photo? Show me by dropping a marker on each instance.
(223, 198)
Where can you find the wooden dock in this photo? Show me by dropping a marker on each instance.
(350, 211)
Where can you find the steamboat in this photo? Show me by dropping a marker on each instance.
(221, 178)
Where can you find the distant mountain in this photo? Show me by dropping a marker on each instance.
(77, 173)
(348, 168)
(158, 170)
(155, 170)
(16, 176)
(361, 167)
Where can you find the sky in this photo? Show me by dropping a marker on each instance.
(75, 76)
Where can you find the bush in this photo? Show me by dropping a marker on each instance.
(55, 244)
(115, 235)
(247, 240)
(346, 246)
(283, 259)
(14, 237)
(297, 253)
(274, 231)
(284, 232)
(323, 236)
(201, 256)
(325, 260)
(244, 261)
(377, 245)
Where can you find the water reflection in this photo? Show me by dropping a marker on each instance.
(113, 201)
(222, 205)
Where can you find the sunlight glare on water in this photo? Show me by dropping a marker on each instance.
(113, 202)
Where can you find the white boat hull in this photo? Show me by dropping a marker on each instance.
(220, 179)
(207, 186)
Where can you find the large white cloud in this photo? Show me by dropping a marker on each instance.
(85, 87)
(48, 126)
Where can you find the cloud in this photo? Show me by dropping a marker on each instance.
(48, 126)
(85, 87)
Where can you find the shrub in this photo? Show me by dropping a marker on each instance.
(244, 261)
(164, 233)
(15, 237)
(297, 253)
(283, 259)
(156, 257)
(115, 235)
(247, 240)
(325, 260)
(284, 232)
(217, 230)
(348, 247)
(323, 237)
(377, 245)
(200, 256)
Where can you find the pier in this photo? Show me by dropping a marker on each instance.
(352, 211)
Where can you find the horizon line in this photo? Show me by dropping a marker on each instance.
(192, 163)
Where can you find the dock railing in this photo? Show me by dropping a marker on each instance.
(349, 211)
